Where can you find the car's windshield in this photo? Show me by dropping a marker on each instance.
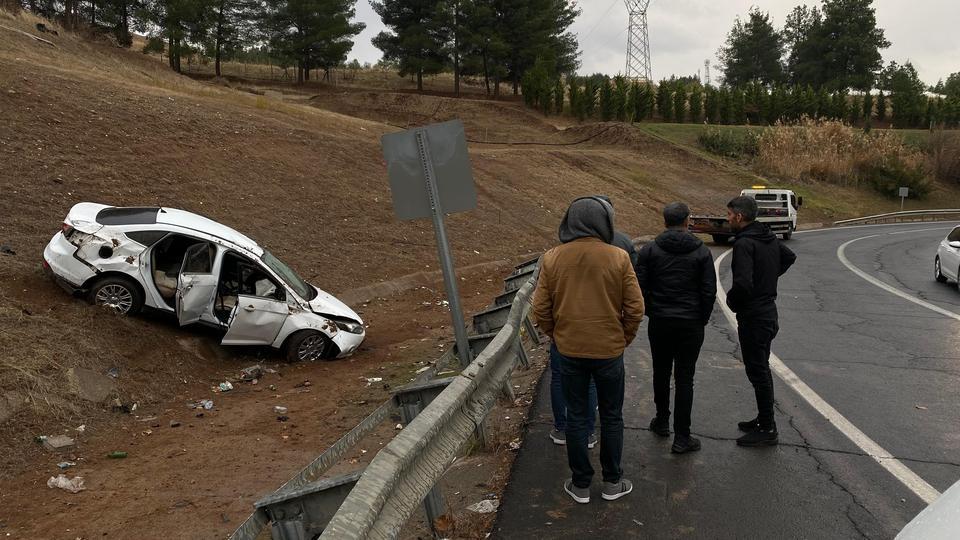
(295, 282)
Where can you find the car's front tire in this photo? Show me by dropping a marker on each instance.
(308, 345)
(938, 271)
(120, 295)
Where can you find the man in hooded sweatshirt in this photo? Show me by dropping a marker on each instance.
(589, 303)
(759, 259)
(679, 286)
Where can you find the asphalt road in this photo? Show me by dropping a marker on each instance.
(887, 365)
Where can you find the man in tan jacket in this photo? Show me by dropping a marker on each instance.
(589, 302)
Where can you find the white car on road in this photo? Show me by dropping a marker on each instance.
(947, 264)
(125, 258)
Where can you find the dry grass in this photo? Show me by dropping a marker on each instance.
(943, 151)
(836, 153)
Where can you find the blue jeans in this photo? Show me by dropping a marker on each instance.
(559, 403)
(608, 375)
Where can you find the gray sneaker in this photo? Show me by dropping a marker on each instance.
(612, 492)
(592, 440)
(581, 495)
(558, 437)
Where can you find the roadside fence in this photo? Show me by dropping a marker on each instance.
(903, 217)
(440, 415)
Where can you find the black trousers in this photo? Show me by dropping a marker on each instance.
(675, 346)
(609, 378)
(756, 335)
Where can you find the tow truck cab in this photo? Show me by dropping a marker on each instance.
(778, 208)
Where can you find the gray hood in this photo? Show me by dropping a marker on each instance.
(587, 217)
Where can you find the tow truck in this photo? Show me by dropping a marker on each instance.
(778, 208)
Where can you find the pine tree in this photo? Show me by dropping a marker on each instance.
(855, 112)
(696, 103)
(739, 107)
(679, 102)
(881, 107)
(647, 101)
(664, 102)
(620, 93)
(634, 114)
(607, 106)
(809, 102)
(558, 94)
(417, 38)
(752, 51)
(575, 94)
(725, 106)
(712, 105)
(823, 104)
(867, 108)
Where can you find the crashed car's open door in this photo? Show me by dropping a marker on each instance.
(256, 321)
(196, 285)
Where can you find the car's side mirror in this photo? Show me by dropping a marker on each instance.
(799, 202)
(954, 244)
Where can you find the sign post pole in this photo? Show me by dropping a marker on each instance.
(443, 248)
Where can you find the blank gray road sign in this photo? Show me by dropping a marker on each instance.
(904, 192)
(451, 167)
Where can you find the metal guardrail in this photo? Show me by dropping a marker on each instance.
(303, 506)
(408, 467)
(902, 217)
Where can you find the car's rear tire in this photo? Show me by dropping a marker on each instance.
(938, 272)
(789, 234)
(121, 295)
(309, 345)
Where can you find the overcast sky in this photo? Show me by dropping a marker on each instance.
(684, 33)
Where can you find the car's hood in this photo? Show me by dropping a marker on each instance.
(328, 304)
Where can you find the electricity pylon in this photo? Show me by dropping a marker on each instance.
(638, 41)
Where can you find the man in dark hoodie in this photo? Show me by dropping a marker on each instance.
(759, 259)
(679, 286)
(589, 303)
(621, 239)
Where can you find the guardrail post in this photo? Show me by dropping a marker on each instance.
(412, 399)
(303, 513)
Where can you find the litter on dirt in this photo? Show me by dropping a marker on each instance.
(73, 485)
(371, 380)
(226, 386)
(283, 418)
(485, 506)
(117, 454)
(251, 373)
(280, 410)
(113, 372)
(63, 465)
(57, 442)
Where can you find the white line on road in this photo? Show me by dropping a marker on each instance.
(901, 472)
(841, 254)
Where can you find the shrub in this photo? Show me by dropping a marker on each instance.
(833, 152)
(729, 143)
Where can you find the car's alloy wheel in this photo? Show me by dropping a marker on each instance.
(937, 272)
(313, 347)
(116, 297)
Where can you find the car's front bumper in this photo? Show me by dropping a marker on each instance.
(348, 342)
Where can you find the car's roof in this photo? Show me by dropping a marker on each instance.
(121, 216)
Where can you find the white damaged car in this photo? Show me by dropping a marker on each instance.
(125, 258)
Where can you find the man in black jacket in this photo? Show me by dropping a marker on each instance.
(679, 287)
(759, 260)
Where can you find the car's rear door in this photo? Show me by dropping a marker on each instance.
(197, 284)
(261, 308)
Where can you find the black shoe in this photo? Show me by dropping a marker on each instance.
(759, 437)
(660, 426)
(749, 425)
(684, 443)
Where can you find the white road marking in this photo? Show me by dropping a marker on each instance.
(841, 254)
(901, 472)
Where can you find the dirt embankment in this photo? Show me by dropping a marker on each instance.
(82, 121)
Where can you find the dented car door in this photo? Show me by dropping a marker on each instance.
(197, 284)
(256, 321)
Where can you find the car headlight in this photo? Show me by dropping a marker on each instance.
(349, 326)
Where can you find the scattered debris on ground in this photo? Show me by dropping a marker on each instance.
(73, 485)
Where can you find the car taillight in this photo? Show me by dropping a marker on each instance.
(66, 229)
